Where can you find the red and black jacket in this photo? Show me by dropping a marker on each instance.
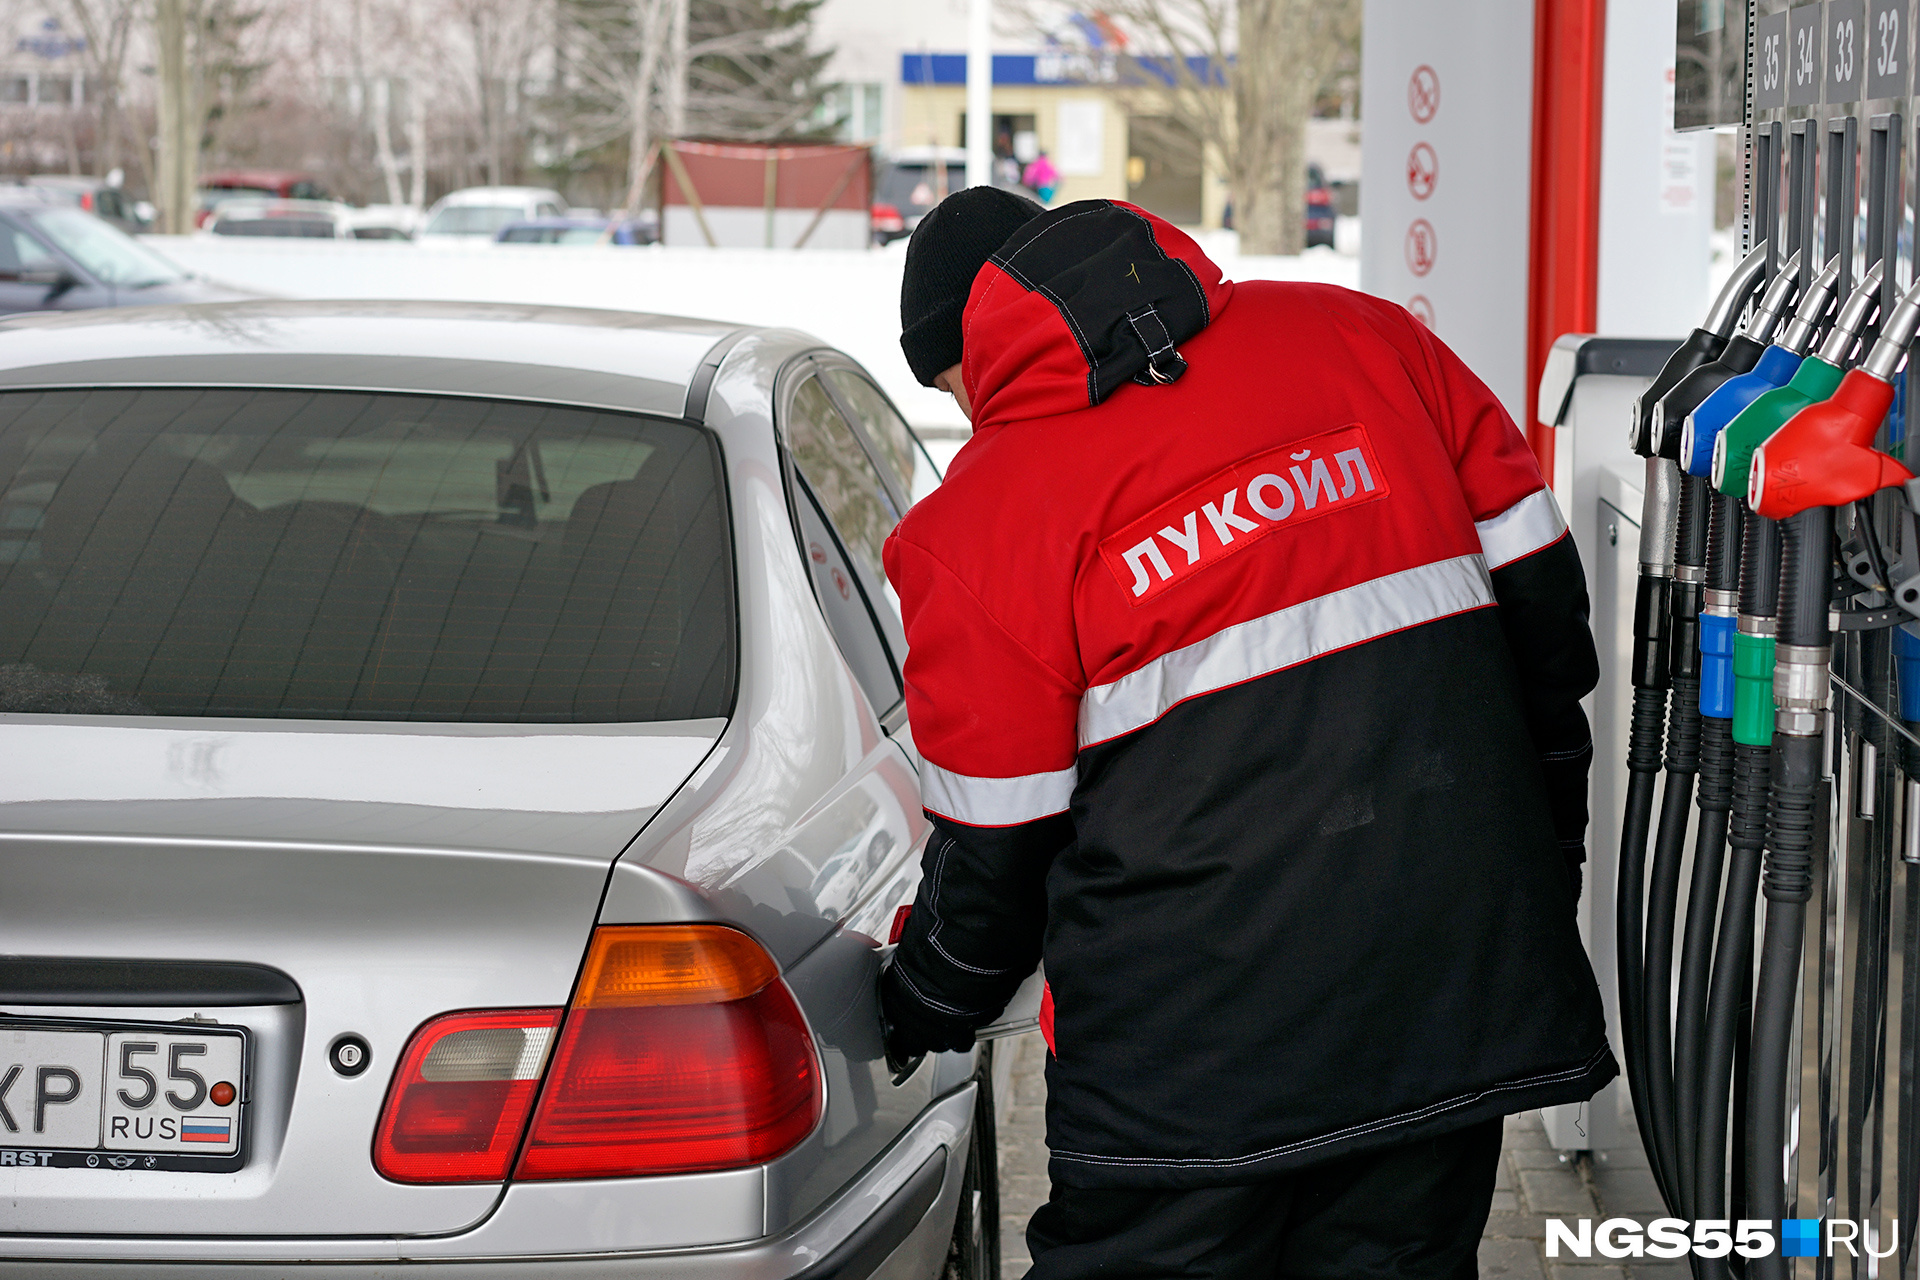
(1247, 647)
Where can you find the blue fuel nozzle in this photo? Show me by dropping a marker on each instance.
(1704, 424)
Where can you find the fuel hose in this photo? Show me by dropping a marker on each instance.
(1820, 462)
(1800, 696)
(1652, 616)
(1651, 679)
(1729, 999)
(1718, 618)
(1669, 849)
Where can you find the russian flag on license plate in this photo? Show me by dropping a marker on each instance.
(206, 1129)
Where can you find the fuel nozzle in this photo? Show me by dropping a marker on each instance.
(1854, 313)
(1702, 345)
(1896, 335)
(1701, 429)
(1824, 456)
(1774, 299)
(1812, 309)
(1817, 378)
(1741, 354)
(1748, 276)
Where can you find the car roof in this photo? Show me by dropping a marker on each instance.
(31, 194)
(254, 208)
(562, 223)
(605, 359)
(924, 155)
(488, 195)
(255, 177)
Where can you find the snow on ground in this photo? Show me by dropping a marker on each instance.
(848, 299)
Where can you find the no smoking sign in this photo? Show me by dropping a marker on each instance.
(1422, 247)
(1423, 170)
(1423, 94)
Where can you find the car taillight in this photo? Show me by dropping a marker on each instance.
(683, 1051)
(887, 217)
(459, 1100)
(86, 200)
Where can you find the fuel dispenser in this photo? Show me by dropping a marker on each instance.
(1768, 945)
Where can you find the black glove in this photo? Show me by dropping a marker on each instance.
(911, 1028)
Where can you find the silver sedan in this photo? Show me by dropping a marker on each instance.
(457, 800)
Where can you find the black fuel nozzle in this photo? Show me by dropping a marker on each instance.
(1741, 355)
(1702, 345)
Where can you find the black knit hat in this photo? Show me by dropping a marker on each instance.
(953, 241)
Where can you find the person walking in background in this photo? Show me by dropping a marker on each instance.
(1246, 650)
(1041, 178)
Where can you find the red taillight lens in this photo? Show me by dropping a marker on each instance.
(683, 1052)
(887, 217)
(459, 1100)
(86, 200)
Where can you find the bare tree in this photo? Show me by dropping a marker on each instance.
(176, 167)
(501, 38)
(1240, 75)
(644, 70)
(107, 26)
(751, 70)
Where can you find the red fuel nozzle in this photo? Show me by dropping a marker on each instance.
(1824, 456)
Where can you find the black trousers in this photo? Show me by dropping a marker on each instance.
(1413, 1212)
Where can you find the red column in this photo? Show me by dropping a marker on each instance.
(1569, 40)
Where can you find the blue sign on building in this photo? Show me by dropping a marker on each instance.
(1051, 67)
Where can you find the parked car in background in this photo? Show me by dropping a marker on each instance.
(464, 745)
(291, 219)
(912, 181)
(1320, 208)
(256, 184)
(99, 196)
(385, 222)
(478, 213)
(55, 257)
(1321, 211)
(644, 229)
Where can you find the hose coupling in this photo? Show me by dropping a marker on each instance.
(1689, 573)
(1720, 604)
(1800, 689)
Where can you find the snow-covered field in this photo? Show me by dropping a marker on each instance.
(848, 299)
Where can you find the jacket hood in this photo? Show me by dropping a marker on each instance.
(1080, 301)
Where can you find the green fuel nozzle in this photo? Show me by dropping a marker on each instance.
(1817, 378)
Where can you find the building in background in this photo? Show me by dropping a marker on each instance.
(901, 73)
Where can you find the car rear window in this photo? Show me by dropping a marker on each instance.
(473, 219)
(300, 228)
(335, 555)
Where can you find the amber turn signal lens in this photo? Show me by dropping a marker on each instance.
(635, 965)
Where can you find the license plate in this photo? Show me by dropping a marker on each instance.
(121, 1095)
